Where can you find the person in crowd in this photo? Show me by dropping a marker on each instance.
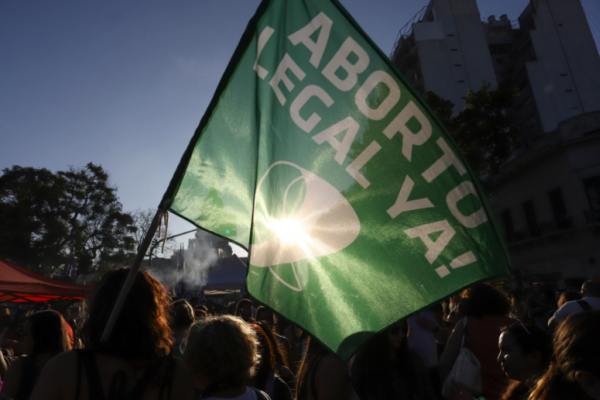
(590, 292)
(454, 313)
(265, 315)
(200, 313)
(486, 311)
(525, 353)
(222, 352)
(266, 377)
(134, 362)
(243, 309)
(569, 295)
(386, 368)
(574, 373)
(298, 345)
(5, 353)
(322, 375)
(12, 338)
(518, 305)
(425, 333)
(44, 335)
(182, 318)
(282, 366)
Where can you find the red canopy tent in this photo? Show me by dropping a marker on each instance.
(18, 285)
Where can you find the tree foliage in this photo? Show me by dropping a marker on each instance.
(46, 216)
(485, 134)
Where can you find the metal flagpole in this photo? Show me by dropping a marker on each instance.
(112, 320)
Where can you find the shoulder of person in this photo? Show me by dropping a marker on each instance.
(65, 358)
(567, 309)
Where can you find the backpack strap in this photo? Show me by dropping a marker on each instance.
(140, 387)
(584, 305)
(88, 361)
(167, 377)
(465, 337)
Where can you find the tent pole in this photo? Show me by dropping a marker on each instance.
(112, 320)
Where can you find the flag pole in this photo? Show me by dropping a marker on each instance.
(112, 320)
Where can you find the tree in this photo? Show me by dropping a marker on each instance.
(47, 216)
(483, 131)
(142, 220)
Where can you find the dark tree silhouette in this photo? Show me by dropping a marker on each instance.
(483, 131)
(46, 216)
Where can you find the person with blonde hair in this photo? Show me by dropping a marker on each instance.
(222, 352)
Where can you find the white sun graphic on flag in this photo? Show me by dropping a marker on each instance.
(324, 224)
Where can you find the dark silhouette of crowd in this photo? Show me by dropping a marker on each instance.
(524, 345)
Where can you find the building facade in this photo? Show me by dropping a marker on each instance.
(547, 203)
(547, 199)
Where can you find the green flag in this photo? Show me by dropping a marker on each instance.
(318, 157)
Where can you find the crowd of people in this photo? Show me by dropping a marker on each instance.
(165, 349)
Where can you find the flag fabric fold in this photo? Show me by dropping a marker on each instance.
(317, 156)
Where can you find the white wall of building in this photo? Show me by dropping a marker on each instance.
(566, 76)
(453, 51)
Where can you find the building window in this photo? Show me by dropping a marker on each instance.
(509, 229)
(560, 210)
(532, 224)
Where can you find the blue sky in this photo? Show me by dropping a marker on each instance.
(125, 83)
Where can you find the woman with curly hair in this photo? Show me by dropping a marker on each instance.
(485, 311)
(44, 335)
(575, 372)
(134, 363)
(385, 369)
(222, 352)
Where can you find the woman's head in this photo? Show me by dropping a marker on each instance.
(265, 315)
(142, 330)
(243, 309)
(575, 371)
(567, 296)
(525, 351)
(396, 335)
(221, 349)
(483, 299)
(45, 332)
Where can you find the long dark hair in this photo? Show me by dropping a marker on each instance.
(267, 358)
(49, 333)
(315, 351)
(281, 355)
(374, 371)
(529, 338)
(142, 331)
(575, 349)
